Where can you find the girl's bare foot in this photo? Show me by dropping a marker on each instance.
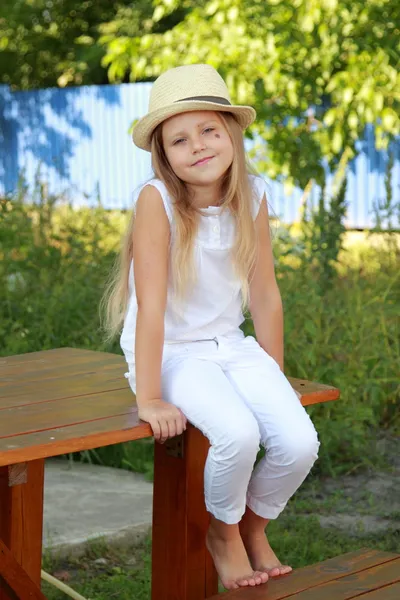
(230, 559)
(261, 555)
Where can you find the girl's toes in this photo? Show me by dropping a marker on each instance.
(230, 585)
(286, 569)
(277, 571)
(264, 576)
(260, 577)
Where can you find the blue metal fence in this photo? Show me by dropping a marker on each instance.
(79, 138)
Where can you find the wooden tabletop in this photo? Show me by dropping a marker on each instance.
(65, 400)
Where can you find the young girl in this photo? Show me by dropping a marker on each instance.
(196, 255)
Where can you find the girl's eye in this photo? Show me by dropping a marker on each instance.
(208, 129)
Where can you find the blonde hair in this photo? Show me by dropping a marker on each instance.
(236, 196)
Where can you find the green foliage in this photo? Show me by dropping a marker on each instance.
(52, 272)
(44, 44)
(316, 73)
(54, 262)
(56, 43)
(346, 336)
(323, 232)
(387, 211)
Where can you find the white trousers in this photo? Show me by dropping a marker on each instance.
(236, 394)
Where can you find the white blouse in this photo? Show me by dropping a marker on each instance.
(213, 305)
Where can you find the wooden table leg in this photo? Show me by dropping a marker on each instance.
(182, 568)
(21, 520)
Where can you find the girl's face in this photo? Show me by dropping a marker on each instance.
(197, 146)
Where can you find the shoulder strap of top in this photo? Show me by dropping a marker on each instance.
(260, 188)
(161, 187)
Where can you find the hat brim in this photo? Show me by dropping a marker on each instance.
(143, 130)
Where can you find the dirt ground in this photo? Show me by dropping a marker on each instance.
(364, 503)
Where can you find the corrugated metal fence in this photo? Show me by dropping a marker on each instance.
(79, 137)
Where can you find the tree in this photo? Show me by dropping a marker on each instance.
(45, 43)
(317, 71)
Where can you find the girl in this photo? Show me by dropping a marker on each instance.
(196, 255)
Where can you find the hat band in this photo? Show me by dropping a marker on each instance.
(216, 99)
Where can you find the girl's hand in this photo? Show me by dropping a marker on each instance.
(165, 419)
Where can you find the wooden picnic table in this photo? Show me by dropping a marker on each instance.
(66, 400)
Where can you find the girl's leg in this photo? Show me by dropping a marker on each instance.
(288, 436)
(203, 393)
(226, 546)
(252, 530)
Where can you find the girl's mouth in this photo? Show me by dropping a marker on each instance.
(202, 161)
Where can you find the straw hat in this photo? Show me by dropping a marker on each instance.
(184, 89)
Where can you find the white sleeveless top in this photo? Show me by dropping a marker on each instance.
(213, 305)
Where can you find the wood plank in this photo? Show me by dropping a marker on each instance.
(354, 585)
(63, 440)
(181, 567)
(21, 525)
(43, 359)
(41, 355)
(22, 381)
(67, 386)
(200, 566)
(390, 592)
(73, 438)
(52, 354)
(20, 584)
(68, 362)
(313, 392)
(308, 578)
(17, 474)
(53, 371)
(63, 412)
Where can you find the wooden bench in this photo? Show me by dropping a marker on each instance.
(67, 400)
(365, 575)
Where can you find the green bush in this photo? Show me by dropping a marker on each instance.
(53, 269)
(54, 263)
(349, 338)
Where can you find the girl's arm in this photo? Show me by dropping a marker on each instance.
(151, 237)
(265, 298)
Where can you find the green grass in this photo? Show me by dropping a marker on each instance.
(117, 579)
(298, 541)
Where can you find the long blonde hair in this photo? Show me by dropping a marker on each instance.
(236, 196)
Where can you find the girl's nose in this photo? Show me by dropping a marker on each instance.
(198, 144)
